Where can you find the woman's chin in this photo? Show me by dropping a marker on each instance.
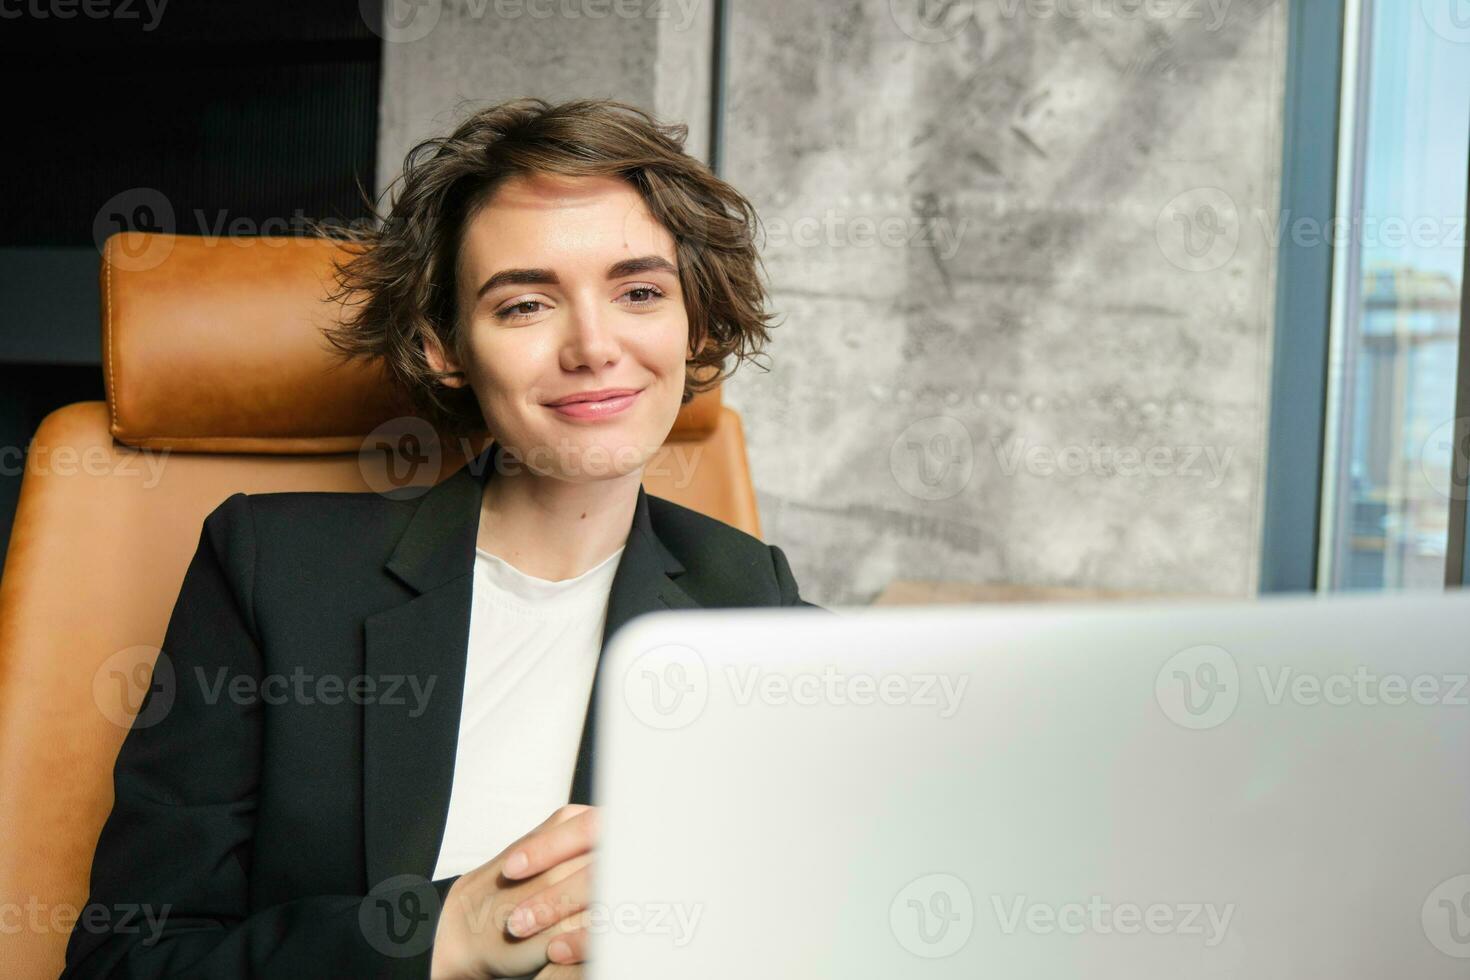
(586, 453)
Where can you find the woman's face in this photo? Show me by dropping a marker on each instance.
(568, 287)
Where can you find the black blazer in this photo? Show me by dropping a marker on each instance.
(280, 818)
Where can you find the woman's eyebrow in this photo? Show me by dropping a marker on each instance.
(535, 277)
(518, 277)
(644, 263)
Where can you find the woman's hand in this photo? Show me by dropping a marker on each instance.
(522, 911)
(556, 971)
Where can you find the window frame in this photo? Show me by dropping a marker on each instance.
(1296, 439)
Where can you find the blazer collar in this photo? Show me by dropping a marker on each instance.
(439, 544)
(408, 761)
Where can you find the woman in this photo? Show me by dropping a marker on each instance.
(376, 702)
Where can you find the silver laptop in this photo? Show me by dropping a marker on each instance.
(1274, 788)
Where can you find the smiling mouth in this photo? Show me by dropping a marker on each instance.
(597, 409)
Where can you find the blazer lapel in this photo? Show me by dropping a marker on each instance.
(643, 583)
(408, 761)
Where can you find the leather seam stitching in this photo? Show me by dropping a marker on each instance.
(111, 369)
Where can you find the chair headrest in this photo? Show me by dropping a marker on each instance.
(214, 345)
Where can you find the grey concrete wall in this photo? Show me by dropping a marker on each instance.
(1022, 252)
(450, 57)
(1027, 288)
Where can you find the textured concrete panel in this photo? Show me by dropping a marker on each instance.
(1023, 254)
(451, 57)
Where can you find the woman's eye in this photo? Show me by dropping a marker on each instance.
(519, 310)
(643, 295)
(637, 296)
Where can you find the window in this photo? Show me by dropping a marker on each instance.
(1398, 256)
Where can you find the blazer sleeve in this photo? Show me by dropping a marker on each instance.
(170, 881)
(786, 582)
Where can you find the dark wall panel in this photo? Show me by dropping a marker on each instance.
(194, 116)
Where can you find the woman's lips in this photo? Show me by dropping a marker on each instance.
(596, 410)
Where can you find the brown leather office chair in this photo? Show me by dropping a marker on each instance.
(218, 381)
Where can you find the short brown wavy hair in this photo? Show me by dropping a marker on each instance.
(397, 285)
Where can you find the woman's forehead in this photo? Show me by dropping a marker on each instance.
(553, 221)
(543, 191)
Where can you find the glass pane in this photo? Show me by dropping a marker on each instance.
(1396, 325)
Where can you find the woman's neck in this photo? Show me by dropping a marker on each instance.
(554, 529)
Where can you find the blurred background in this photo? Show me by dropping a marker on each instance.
(1077, 297)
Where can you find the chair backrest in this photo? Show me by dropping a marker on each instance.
(217, 381)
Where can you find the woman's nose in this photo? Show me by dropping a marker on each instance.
(592, 339)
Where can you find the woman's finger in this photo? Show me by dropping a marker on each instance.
(552, 845)
(561, 814)
(569, 944)
(558, 971)
(550, 905)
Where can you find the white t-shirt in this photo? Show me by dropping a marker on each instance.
(532, 656)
